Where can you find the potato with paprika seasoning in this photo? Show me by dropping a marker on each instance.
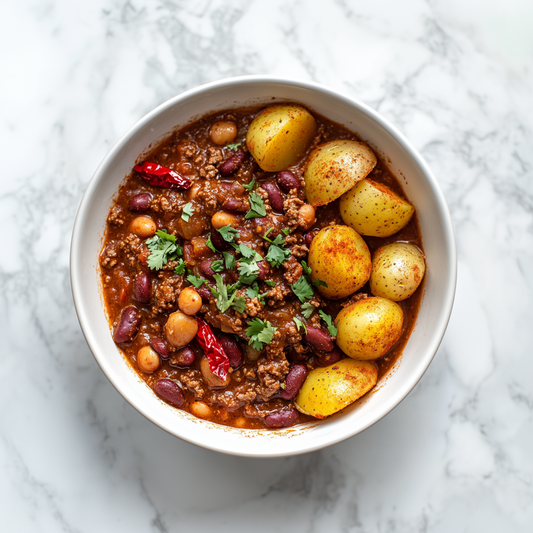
(279, 136)
(334, 168)
(339, 257)
(329, 389)
(369, 328)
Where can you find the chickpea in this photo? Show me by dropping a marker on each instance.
(189, 301)
(201, 409)
(148, 359)
(306, 215)
(143, 227)
(180, 329)
(221, 218)
(212, 379)
(222, 132)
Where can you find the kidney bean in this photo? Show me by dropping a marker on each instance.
(282, 419)
(308, 238)
(293, 381)
(232, 164)
(263, 270)
(319, 339)
(160, 347)
(218, 241)
(205, 293)
(183, 358)
(233, 350)
(128, 326)
(205, 267)
(287, 180)
(274, 195)
(236, 205)
(140, 202)
(330, 358)
(169, 391)
(142, 287)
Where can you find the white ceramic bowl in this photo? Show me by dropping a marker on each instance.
(419, 185)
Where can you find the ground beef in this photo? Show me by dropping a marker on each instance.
(293, 270)
(253, 307)
(291, 207)
(192, 380)
(132, 247)
(214, 156)
(116, 216)
(166, 204)
(165, 297)
(109, 256)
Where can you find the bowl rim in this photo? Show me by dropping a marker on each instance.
(450, 245)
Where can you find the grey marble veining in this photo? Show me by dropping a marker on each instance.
(456, 78)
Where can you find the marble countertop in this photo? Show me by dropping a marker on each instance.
(455, 76)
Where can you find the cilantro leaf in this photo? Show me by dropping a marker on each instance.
(253, 291)
(307, 309)
(257, 207)
(162, 248)
(180, 267)
(239, 304)
(329, 321)
(229, 260)
(276, 255)
(226, 295)
(270, 283)
(187, 212)
(261, 332)
(248, 270)
(250, 185)
(210, 244)
(248, 252)
(217, 266)
(302, 289)
(285, 231)
(299, 324)
(228, 233)
(319, 283)
(233, 146)
(195, 281)
(306, 269)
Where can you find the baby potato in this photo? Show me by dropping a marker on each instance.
(372, 209)
(397, 271)
(339, 257)
(329, 389)
(278, 137)
(334, 168)
(369, 327)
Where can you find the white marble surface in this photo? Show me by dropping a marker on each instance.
(456, 77)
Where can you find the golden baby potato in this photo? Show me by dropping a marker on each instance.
(329, 389)
(279, 136)
(369, 327)
(339, 257)
(372, 209)
(334, 168)
(397, 271)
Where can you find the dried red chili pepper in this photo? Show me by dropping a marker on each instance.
(218, 360)
(159, 176)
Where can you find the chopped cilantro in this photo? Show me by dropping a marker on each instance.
(306, 269)
(276, 255)
(248, 270)
(302, 289)
(250, 185)
(307, 274)
(285, 231)
(162, 248)
(233, 146)
(257, 207)
(261, 332)
(299, 324)
(270, 283)
(329, 321)
(253, 292)
(248, 252)
(319, 283)
(217, 266)
(228, 233)
(226, 295)
(187, 212)
(229, 260)
(307, 309)
(210, 244)
(180, 267)
(195, 280)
